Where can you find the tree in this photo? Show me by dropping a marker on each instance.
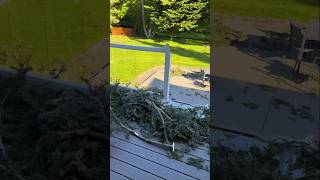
(173, 16)
(144, 20)
(118, 9)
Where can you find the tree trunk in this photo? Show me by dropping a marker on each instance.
(143, 19)
(171, 36)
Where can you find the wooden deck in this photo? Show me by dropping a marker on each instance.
(134, 159)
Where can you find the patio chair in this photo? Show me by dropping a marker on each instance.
(205, 76)
(298, 42)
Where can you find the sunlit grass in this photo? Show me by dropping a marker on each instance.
(127, 65)
(298, 10)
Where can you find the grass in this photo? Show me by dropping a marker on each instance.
(298, 10)
(126, 65)
(51, 29)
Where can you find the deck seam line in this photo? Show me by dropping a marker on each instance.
(138, 168)
(121, 174)
(155, 162)
(158, 152)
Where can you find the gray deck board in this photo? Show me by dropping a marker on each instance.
(130, 170)
(137, 159)
(117, 176)
(161, 159)
(186, 156)
(147, 165)
(201, 152)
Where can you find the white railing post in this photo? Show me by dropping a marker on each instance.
(167, 70)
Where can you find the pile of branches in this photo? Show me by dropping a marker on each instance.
(49, 134)
(278, 159)
(143, 113)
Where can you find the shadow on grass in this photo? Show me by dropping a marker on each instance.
(185, 39)
(202, 57)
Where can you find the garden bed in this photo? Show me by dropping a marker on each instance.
(123, 31)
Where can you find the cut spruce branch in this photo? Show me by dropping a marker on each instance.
(159, 109)
(163, 145)
(158, 120)
(162, 120)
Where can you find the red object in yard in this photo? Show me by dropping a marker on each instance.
(123, 31)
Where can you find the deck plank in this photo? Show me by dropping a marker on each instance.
(142, 163)
(130, 170)
(161, 159)
(117, 176)
(206, 163)
(201, 153)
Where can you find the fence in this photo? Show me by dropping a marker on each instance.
(165, 49)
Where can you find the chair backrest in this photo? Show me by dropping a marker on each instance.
(296, 35)
(296, 32)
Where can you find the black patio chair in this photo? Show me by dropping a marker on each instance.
(296, 39)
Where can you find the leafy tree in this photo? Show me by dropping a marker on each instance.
(138, 16)
(173, 16)
(118, 9)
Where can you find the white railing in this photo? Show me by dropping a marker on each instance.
(167, 70)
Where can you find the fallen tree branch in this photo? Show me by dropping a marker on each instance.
(167, 146)
(163, 145)
(159, 109)
(162, 120)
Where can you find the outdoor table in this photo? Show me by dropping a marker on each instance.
(311, 33)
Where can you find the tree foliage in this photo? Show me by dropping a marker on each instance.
(118, 9)
(166, 16)
(173, 16)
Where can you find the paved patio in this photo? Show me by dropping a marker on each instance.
(257, 93)
(186, 88)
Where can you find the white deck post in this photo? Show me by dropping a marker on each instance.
(166, 50)
(167, 70)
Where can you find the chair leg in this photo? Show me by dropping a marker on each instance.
(298, 68)
(203, 78)
(294, 67)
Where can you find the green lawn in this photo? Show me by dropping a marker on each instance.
(51, 29)
(299, 10)
(126, 65)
